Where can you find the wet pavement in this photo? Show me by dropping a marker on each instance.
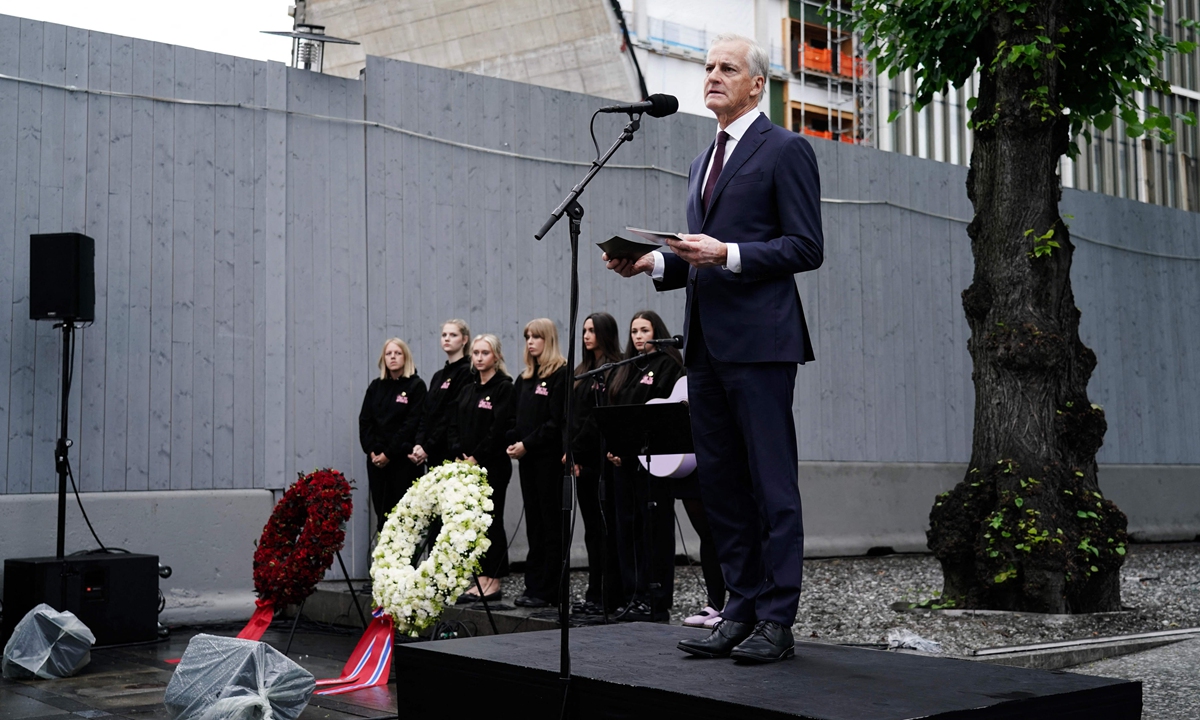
(129, 682)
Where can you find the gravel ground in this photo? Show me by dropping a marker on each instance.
(848, 600)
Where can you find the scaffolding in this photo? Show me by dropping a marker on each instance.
(828, 61)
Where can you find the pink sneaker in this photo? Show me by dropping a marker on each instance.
(706, 618)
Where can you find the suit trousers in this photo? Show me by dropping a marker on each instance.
(745, 439)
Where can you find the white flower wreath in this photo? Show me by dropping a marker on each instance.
(416, 597)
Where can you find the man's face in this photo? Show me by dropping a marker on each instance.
(728, 86)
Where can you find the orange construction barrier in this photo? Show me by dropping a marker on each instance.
(816, 59)
(823, 134)
(850, 66)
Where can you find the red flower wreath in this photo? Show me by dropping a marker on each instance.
(301, 537)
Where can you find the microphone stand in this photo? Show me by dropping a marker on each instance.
(570, 205)
(610, 366)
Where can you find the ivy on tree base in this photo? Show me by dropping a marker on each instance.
(1007, 542)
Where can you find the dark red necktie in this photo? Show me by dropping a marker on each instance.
(717, 163)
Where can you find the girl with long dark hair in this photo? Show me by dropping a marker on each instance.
(593, 476)
(477, 433)
(645, 509)
(387, 427)
(646, 548)
(537, 445)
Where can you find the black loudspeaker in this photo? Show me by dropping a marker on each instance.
(114, 594)
(62, 280)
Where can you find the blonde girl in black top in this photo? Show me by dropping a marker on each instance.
(537, 444)
(477, 433)
(387, 427)
(444, 389)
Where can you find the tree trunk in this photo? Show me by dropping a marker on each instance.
(1027, 529)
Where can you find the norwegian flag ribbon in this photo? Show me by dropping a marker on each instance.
(370, 663)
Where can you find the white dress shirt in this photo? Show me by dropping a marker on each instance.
(735, 131)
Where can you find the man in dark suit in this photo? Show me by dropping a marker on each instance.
(753, 209)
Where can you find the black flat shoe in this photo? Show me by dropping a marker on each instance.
(770, 642)
(638, 611)
(530, 602)
(467, 599)
(727, 635)
(587, 608)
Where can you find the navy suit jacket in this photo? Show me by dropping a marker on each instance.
(768, 200)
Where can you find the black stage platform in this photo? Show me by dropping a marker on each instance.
(634, 671)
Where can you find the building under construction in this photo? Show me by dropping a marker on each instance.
(821, 83)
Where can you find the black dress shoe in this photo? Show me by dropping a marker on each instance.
(770, 642)
(530, 602)
(724, 638)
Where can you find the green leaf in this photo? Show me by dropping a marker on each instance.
(1103, 122)
(1120, 550)
(972, 101)
(1185, 47)
(1018, 502)
(1081, 513)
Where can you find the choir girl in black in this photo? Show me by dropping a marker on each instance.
(477, 433)
(387, 427)
(537, 444)
(644, 504)
(601, 345)
(444, 389)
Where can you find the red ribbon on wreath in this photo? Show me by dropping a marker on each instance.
(298, 544)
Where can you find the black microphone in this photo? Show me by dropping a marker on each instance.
(657, 105)
(674, 341)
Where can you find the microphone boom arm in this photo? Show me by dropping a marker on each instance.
(626, 136)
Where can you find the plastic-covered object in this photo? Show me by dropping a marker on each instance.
(904, 638)
(222, 678)
(47, 644)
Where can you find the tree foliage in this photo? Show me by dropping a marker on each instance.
(1108, 54)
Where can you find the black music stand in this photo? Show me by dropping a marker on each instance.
(646, 430)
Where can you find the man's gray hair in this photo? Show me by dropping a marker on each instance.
(756, 57)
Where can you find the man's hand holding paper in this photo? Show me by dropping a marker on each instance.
(699, 251)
